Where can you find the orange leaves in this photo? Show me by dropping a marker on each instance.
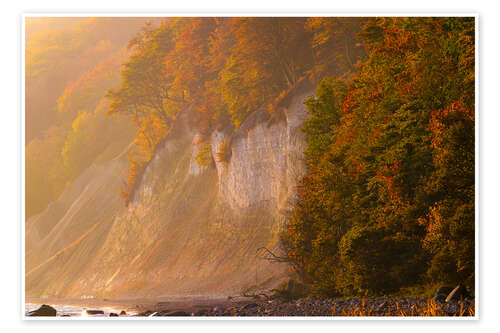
(150, 132)
(395, 181)
(386, 176)
(188, 61)
(407, 82)
(349, 103)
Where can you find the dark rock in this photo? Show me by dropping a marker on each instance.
(441, 294)
(249, 306)
(92, 312)
(176, 314)
(203, 312)
(123, 313)
(300, 303)
(451, 309)
(43, 311)
(456, 294)
(112, 314)
(145, 313)
(329, 307)
(218, 309)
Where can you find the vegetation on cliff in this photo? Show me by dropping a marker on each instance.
(388, 202)
(223, 69)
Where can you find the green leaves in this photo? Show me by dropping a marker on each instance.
(390, 192)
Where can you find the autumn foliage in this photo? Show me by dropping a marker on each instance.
(219, 70)
(388, 203)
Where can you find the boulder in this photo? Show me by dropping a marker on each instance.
(441, 293)
(43, 311)
(456, 294)
(123, 313)
(92, 312)
(112, 314)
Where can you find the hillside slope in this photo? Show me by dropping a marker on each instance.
(189, 230)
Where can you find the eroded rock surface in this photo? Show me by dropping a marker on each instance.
(189, 230)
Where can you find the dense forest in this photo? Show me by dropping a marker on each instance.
(387, 205)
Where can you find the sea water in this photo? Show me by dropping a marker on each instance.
(76, 311)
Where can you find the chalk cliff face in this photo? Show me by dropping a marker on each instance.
(189, 230)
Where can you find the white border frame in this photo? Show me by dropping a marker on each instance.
(229, 13)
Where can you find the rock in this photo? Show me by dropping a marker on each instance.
(249, 306)
(203, 312)
(43, 311)
(92, 312)
(456, 294)
(145, 313)
(218, 309)
(441, 293)
(123, 313)
(112, 314)
(177, 314)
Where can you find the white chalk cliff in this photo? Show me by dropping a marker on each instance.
(189, 230)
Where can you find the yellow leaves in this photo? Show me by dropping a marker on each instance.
(77, 123)
(204, 156)
(224, 153)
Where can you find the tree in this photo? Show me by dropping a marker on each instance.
(269, 55)
(145, 86)
(388, 201)
(147, 97)
(336, 44)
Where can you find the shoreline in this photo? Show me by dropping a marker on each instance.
(219, 307)
(136, 306)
